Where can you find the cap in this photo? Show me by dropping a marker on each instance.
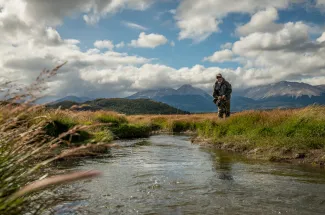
(219, 75)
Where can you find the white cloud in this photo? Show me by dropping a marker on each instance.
(197, 20)
(288, 54)
(320, 2)
(226, 46)
(262, 21)
(149, 41)
(172, 44)
(321, 38)
(120, 45)
(104, 44)
(51, 13)
(291, 36)
(220, 56)
(197, 28)
(134, 26)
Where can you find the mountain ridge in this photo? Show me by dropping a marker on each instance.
(282, 88)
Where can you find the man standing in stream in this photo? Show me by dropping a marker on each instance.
(222, 93)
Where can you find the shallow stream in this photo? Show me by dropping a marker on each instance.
(169, 175)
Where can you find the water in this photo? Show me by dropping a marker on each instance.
(169, 175)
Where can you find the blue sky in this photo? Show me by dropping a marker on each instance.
(159, 20)
(266, 42)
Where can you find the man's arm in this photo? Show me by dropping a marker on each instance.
(228, 91)
(214, 94)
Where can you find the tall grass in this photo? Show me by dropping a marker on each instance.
(26, 147)
(296, 128)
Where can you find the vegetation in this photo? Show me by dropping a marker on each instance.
(32, 136)
(27, 144)
(126, 106)
(274, 135)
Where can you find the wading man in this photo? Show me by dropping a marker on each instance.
(222, 93)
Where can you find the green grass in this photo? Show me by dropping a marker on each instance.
(272, 134)
(110, 118)
(130, 131)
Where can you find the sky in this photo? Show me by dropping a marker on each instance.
(115, 48)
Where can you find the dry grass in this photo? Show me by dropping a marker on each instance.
(26, 147)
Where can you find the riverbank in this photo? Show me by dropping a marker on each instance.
(296, 135)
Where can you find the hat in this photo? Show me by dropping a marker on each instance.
(219, 76)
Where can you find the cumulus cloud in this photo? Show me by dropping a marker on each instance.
(321, 38)
(291, 36)
(262, 21)
(220, 56)
(197, 20)
(288, 54)
(104, 44)
(120, 45)
(148, 41)
(51, 13)
(134, 26)
(226, 46)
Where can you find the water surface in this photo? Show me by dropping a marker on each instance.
(169, 175)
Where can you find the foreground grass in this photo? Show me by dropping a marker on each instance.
(292, 135)
(31, 137)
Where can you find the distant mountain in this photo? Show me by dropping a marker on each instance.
(183, 90)
(186, 97)
(322, 87)
(126, 106)
(190, 90)
(279, 95)
(73, 99)
(149, 94)
(46, 99)
(282, 89)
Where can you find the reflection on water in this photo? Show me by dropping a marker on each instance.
(169, 175)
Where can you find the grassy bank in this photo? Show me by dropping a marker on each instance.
(31, 137)
(279, 135)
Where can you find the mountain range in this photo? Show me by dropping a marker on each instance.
(283, 94)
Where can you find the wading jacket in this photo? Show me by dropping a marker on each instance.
(223, 88)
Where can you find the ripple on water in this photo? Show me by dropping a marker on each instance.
(169, 175)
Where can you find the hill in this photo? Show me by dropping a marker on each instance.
(126, 106)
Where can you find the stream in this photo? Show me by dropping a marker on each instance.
(169, 175)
